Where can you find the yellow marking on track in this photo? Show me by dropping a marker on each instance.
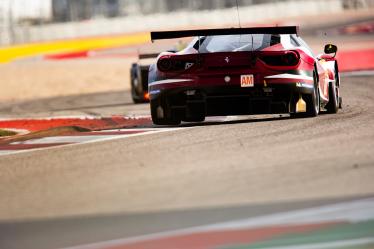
(8, 54)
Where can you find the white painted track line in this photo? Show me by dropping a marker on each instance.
(7, 152)
(76, 139)
(93, 137)
(65, 139)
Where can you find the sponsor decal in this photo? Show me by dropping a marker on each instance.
(298, 84)
(247, 80)
(268, 90)
(190, 92)
(188, 65)
(154, 92)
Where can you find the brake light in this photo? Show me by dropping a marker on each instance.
(146, 96)
(289, 58)
(168, 64)
(164, 63)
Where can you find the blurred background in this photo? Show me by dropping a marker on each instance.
(57, 48)
(24, 21)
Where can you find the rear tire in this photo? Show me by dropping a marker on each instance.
(136, 98)
(166, 118)
(313, 103)
(334, 99)
(195, 113)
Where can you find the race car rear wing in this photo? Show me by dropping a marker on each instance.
(148, 56)
(281, 30)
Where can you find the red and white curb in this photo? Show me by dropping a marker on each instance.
(104, 129)
(79, 138)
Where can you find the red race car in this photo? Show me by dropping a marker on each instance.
(242, 71)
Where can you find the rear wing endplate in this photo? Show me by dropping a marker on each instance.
(281, 30)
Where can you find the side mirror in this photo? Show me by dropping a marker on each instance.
(331, 49)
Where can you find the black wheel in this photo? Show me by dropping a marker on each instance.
(162, 115)
(136, 97)
(195, 113)
(334, 100)
(136, 88)
(333, 104)
(313, 103)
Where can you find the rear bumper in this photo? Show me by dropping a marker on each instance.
(224, 100)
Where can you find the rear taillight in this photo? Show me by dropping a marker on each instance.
(164, 63)
(289, 58)
(169, 64)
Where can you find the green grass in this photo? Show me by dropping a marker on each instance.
(5, 133)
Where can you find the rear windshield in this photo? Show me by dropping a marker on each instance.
(235, 43)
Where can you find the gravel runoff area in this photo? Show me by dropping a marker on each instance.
(36, 79)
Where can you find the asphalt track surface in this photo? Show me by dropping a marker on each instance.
(107, 231)
(199, 174)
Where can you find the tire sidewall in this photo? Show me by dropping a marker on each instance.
(316, 101)
(333, 104)
(168, 119)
